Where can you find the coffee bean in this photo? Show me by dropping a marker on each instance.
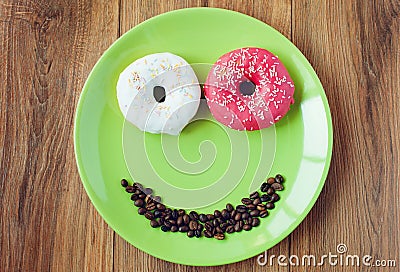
(193, 225)
(254, 195)
(255, 222)
(167, 223)
(190, 233)
(277, 186)
(137, 192)
(142, 210)
(179, 221)
(148, 199)
(183, 228)
(168, 211)
(142, 196)
(270, 180)
(203, 218)
(229, 207)
(265, 198)
(174, 214)
(149, 215)
(174, 228)
(275, 197)
(208, 234)
(241, 224)
(256, 201)
(215, 222)
(225, 214)
(200, 227)
(246, 201)
(251, 206)
(164, 228)
(210, 217)
(217, 213)
(238, 216)
(160, 221)
(218, 230)
(270, 205)
(138, 186)
(194, 215)
(181, 212)
(270, 191)
(157, 199)
(247, 227)
(157, 213)
(138, 203)
(237, 227)
(186, 219)
(154, 224)
(147, 191)
(263, 213)
(241, 208)
(219, 236)
(233, 213)
(261, 207)
(264, 187)
(254, 213)
(208, 226)
(232, 221)
(230, 229)
(134, 197)
(160, 206)
(172, 221)
(124, 182)
(151, 206)
(197, 233)
(279, 178)
(245, 215)
(129, 189)
(223, 226)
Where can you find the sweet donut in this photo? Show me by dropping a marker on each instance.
(159, 93)
(248, 89)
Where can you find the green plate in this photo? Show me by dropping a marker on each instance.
(206, 154)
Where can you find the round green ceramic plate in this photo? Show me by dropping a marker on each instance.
(302, 140)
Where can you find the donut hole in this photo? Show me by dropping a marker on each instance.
(247, 87)
(159, 94)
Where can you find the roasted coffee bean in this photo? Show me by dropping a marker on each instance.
(194, 215)
(232, 221)
(138, 186)
(197, 233)
(255, 222)
(174, 228)
(265, 198)
(190, 233)
(218, 230)
(247, 227)
(168, 211)
(142, 196)
(157, 199)
(254, 195)
(264, 187)
(263, 213)
(225, 214)
(200, 227)
(245, 215)
(217, 213)
(148, 199)
(134, 197)
(208, 226)
(238, 216)
(137, 192)
(149, 215)
(223, 226)
(229, 207)
(230, 229)
(210, 217)
(270, 180)
(233, 213)
(160, 221)
(241, 208)
(193, 225)
(181, 212)
(160, 207)
(275, 197)
(241, 224)
(215, 222)
(203, 218)
(142, 210)
(246, 201)
(179, 221)
(147, 191)
(279, 178)
(254, 213)
(277, 186)
(167, 223)
(139, 203)
(237, 227)
(261, 207)
(172, 221)
(164, 228)
(183, 228)
(157, 213)
(151, 206)
(256, 201)
(251, 206)
(249, 220)
(154, 224)
(174, 214)
(208, 234)
(270, 205)
(219, 236)
(186, 219)
(129, 189)
(124, 182)
(270, 191)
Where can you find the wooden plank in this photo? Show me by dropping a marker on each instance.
(277, 14)
(354, 47)
(46, 219)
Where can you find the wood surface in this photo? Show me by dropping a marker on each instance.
(47, 50)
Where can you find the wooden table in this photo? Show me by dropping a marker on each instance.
(47, 50)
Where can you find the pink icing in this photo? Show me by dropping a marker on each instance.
(267, 105)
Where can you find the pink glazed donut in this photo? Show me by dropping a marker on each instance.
(249, 89)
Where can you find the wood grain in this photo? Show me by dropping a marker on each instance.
(49, 47)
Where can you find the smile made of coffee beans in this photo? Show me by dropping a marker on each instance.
(216, 225)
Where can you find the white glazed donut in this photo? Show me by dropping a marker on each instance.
(141, 88)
